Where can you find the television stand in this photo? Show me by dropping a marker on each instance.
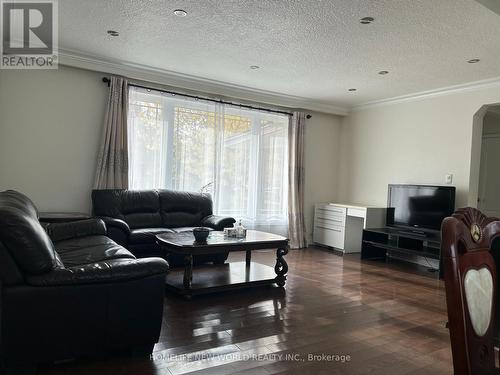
(380, 243)
(413, 233)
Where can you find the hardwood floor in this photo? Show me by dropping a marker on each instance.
(370, 317)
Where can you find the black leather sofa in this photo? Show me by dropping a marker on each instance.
(135, 217)
(69, 291)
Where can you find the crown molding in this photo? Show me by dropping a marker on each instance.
(450, 90)
(223, 90)
(184, 81)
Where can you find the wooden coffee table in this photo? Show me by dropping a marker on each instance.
(236, 275)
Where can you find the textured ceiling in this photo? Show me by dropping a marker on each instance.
(311, 49)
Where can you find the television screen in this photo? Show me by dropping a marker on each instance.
(420, 206)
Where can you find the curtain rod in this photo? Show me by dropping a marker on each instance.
(107, 80)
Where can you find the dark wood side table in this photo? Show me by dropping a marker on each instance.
(236, 275)
(62, 217)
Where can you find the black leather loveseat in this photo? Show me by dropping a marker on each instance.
(135, 217)
(73, 293)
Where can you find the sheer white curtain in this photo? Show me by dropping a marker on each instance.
(240, 156)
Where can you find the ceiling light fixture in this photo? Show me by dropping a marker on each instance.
(366, 20)
(473, 61)
(254, 67)
(113, 33)
(180, 13)
(383, 72)
(352, 89)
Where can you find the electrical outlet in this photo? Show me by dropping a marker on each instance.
(449, 178)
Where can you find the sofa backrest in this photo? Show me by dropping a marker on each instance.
(152, 208)
(23, 240)
(138, 208)
(183, 209)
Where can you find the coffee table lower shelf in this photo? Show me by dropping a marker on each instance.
(216, 278)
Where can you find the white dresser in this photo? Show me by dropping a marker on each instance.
(340, 225)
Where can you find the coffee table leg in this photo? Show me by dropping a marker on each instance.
(248, 258)
(188, 271)
(281, 267)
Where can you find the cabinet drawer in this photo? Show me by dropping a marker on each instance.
(333, 237)
(326, 221)
(330, 211)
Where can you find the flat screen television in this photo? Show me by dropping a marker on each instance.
(421, 207)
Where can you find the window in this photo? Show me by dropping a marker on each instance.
(240, 156)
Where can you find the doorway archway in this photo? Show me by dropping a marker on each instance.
(485, 147)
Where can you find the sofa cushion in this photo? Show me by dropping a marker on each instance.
(146, 235)
(75, 229)
(90, 249)
(143, 219)
(23, 236)
(101, 272)
(183, 209)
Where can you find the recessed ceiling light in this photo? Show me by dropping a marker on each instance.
(113, 33)
(383, 72)
(366, 20)
(180, 13)
(254, 67)
(352, 89)
(473, 61)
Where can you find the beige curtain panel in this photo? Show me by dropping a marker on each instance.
(296, 227)
(112, 162)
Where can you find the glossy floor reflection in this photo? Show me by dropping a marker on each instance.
(337, 315)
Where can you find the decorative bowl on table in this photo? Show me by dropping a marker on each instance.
(201, 234)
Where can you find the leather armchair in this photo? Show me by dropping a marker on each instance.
(70, 291)
(134, 218)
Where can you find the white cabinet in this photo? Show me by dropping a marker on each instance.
(329, 225)
(329, 236)
(340, 226)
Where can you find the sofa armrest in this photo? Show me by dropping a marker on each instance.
(117, 223)
(117, 229)
(217, 222)
(75, 229)
(109, 271)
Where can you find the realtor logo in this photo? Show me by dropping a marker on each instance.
(29, 34)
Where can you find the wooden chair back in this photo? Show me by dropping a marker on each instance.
(470, 281)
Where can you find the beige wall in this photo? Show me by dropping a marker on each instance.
(417, 141)
(50, 125)
(49, 130)
(322, 138)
